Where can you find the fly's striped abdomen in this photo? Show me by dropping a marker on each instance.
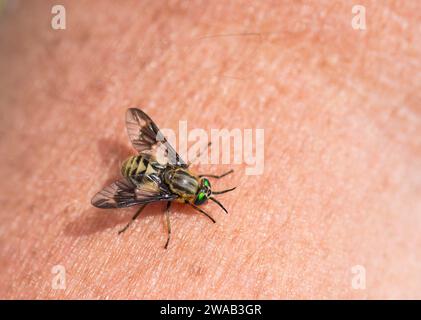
(134, 166)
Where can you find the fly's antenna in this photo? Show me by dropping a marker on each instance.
(219, 204)
(223, 191)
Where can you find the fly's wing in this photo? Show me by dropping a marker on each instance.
(121, 194)
(148, 139)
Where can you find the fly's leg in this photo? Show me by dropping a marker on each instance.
(199, 154)
(167, 216)
(133, 218)
(216, 176)
(202, 211)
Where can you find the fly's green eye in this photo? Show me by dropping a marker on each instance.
(206, 182)
(201, 198)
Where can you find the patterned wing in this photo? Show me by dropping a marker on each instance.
(148, 139)
(121, 194)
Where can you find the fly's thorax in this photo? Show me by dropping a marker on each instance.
(182, 182)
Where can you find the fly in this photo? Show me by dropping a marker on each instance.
(156, 174)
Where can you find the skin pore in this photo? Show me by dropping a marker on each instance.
(341, 118)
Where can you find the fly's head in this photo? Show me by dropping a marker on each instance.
(203, 193)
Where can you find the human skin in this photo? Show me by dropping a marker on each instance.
(340, 109)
